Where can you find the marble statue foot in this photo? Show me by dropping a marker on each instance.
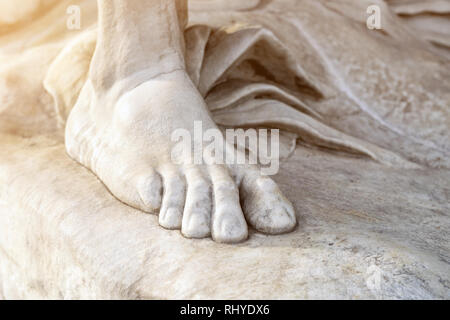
(124, 137)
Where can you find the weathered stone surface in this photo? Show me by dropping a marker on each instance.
(364, 232)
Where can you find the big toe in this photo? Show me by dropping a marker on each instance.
(265, 207)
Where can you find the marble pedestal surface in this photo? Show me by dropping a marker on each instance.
(366, 231)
